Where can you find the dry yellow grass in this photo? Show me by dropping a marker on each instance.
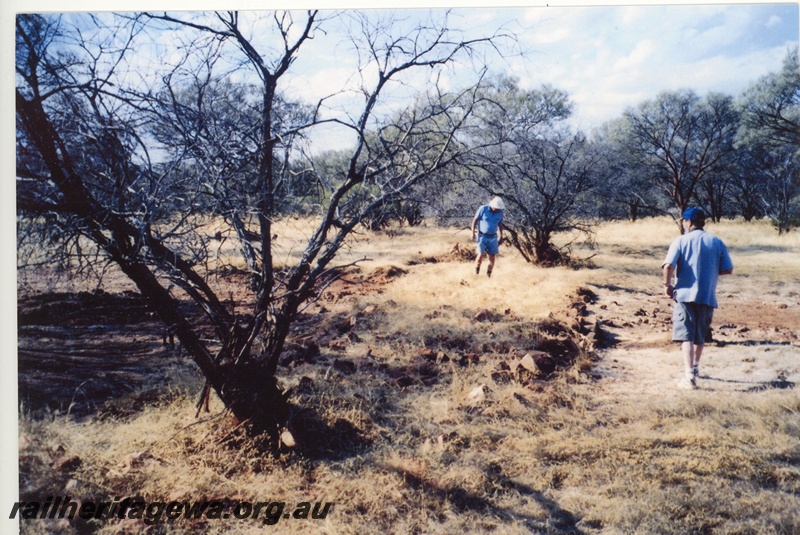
(569, 455)
(757, 246)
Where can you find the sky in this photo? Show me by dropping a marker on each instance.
(606, 57)
(611, 57)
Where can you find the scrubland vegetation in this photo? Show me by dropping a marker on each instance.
(215, 305)
(417, 417)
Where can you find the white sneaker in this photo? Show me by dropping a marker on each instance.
(687, 383)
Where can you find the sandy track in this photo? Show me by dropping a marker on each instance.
(757, 339)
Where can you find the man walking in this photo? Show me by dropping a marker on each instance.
(486, 225)
(696, 259)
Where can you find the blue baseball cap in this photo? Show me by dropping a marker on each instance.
(693, 214)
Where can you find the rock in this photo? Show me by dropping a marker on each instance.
(134, 460)
(305, 385)
(534, 362)
(66, 463)
(302, 352)
(469, 358)
(428, 354)
(404, 381)
(287, 439)
(524, 401)
(528, 363)
(345, 367)
(544, 362)
(338, 344)
(482, 315)
(477, 395)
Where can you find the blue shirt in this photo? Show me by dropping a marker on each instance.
(698, 259)
(488, 221)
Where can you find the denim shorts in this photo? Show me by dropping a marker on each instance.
(691, 322)
(488, 244)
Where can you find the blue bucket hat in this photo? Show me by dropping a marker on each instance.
(693, 214)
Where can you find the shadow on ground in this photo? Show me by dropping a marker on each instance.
(559, 520)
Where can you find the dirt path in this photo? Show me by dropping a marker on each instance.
(757, 340)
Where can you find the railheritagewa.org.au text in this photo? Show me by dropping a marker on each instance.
(154, 512)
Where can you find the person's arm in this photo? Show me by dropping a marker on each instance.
(669, 267)
(474, 227)
(668, 270)
(500, 229)
(725, 262)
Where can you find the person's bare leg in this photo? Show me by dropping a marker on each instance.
(688, 351)
(491, 265)
(478, 263)
(698, 352)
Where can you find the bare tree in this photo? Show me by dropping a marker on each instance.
(91, 130)
(546, 194)
(542, 171)
(771, 106)
(681, 140)
(626, 190)
(770, 136)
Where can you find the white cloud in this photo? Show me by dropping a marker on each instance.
(774, 20)
(609, 58)
(630, 15)
(719, 31)
(732, 75)
(552, 36)
(320, 84)
(640, 54)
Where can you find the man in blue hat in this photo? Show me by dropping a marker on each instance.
(696, 259)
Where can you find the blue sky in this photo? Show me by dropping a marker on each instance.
(606, 57)
(611, 57)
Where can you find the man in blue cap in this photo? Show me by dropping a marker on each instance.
(696, 259)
